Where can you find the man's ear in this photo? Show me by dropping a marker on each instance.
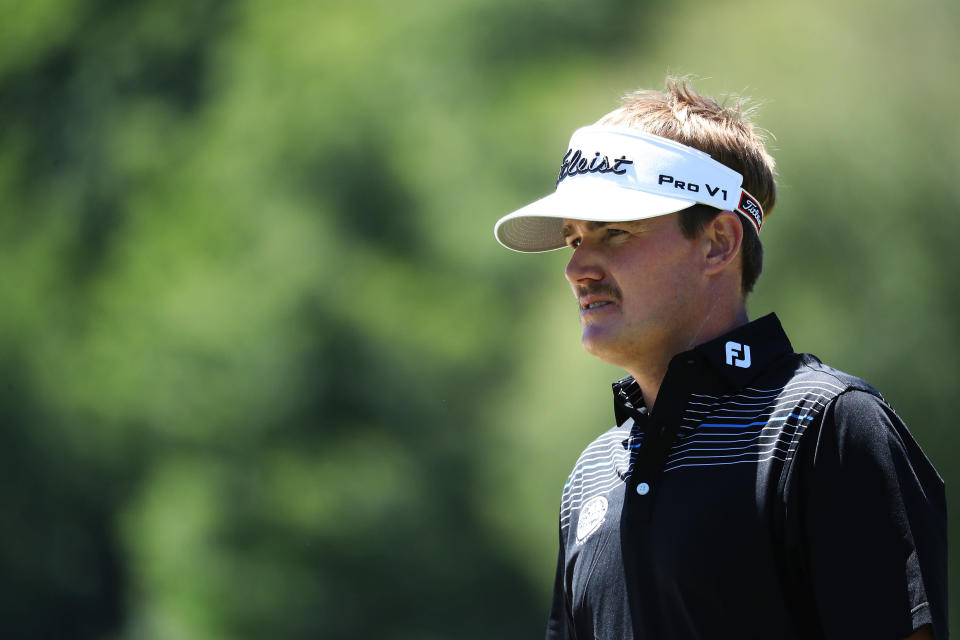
(722, 238)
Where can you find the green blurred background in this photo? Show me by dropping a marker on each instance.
(264, 371)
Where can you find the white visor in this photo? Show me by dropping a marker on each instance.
(611, 174)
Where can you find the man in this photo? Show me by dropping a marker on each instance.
(747, 491)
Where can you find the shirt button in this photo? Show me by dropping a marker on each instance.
(643, 488)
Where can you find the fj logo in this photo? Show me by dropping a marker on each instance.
(738, 354)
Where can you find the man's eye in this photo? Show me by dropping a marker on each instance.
(616, 232)
(573, 243)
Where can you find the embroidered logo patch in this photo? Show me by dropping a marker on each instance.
(591, 517)
(738, 354)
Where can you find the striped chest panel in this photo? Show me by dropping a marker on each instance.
(601, 468)
(756, 425)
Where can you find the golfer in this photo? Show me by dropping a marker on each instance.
(746, 491)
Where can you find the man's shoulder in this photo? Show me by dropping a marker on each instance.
(810, 369)
(607, 456)
(858, 418)
(606, 445)
(833, 401)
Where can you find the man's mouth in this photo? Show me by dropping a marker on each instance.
(597, 296)
(587, 306)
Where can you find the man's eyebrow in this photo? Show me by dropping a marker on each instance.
(567, 229)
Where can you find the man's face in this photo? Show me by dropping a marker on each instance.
(638, 284)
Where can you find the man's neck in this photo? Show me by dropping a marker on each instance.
(650, 373)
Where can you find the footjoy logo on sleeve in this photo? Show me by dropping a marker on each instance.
(738, 354)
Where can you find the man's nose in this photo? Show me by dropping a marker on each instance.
(583, 266)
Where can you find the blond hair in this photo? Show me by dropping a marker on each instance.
(722, 130)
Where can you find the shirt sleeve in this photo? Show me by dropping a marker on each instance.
(870, 524)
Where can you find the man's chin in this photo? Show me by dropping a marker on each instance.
(601, 344)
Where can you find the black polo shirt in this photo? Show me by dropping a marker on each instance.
(767, 496)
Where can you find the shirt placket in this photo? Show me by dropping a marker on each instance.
(659, 430)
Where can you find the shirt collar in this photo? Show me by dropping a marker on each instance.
(741, 355)
(627, 399)
(737, 357)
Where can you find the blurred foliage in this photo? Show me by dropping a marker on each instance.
(265, 373)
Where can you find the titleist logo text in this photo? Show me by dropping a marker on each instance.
(690, 186)
(574, 163)
(750, 206)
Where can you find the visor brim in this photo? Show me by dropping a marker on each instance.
(537, 227)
